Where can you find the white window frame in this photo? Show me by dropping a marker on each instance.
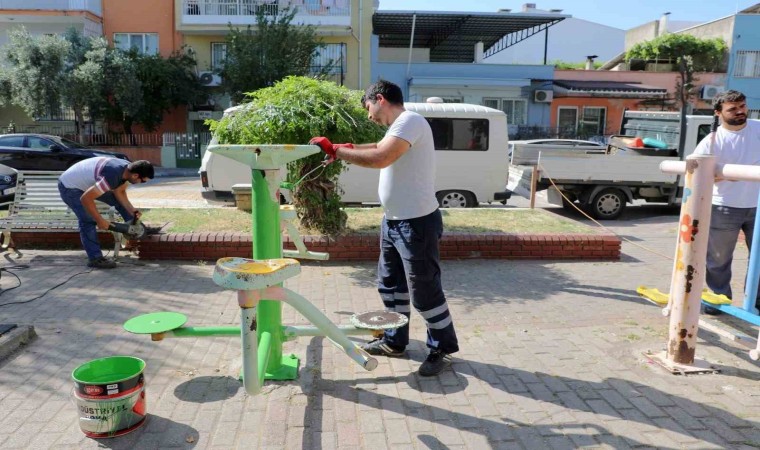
(143, 50)
(215, 63)
(603, 125)
(573, 108)
(747, 64)
(510, 117)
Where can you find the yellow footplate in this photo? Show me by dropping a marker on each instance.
(715, 299)
(653, 295)
(242, 274)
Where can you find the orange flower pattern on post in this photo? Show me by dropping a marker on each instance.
(688, 228)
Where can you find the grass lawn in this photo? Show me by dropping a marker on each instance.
(367, 220)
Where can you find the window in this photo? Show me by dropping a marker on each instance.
(753, 114)
(747, 64)
(145, 43)
(702, 133)
(594, 121)
(516, 110)
(567, 119)
(460, 134)
(12, 141)
(218, 54)
(331, 57)
(448, 99)
(38, 142)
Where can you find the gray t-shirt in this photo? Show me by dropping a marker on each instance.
(407, 187)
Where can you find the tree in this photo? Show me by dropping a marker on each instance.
(34, 75)
(292, 112)
(275, 49)
(165, 83)
(690, 54)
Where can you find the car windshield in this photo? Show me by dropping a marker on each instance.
(68, 143)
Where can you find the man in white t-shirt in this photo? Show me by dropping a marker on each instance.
(409, 267)
(734, 203)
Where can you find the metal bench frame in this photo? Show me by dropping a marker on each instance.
(38, 207)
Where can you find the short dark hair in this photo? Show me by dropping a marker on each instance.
(142, 168)
(728, 96)
(390, 91)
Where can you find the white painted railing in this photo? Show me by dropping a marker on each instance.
(269, 7)
(93, 6)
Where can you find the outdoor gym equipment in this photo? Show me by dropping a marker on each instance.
(258, 283)
(683, 303)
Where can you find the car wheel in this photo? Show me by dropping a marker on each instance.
(456, 199)
(608, 204)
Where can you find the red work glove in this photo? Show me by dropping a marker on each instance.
(328, 147)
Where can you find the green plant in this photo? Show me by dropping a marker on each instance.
(292, 112)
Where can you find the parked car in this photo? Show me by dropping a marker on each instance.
(45, 152)
(8, 177)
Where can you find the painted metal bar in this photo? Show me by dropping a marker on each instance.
(330, 330)
(737, 312)
(264, 353)
(292, 332)
(204, 331)
(686, 294)
(250, 347)
(753, 268)
(738, 172)
(267, 244)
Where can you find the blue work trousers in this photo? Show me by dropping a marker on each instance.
(88, 232)
(725, 224)
(409, 272)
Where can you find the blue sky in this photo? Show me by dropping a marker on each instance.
(617, 14)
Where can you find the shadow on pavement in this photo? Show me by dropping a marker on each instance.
(207, 389)
(158, 432)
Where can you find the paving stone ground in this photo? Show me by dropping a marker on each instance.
(551, 357)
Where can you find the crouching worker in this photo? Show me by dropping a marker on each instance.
(104, 179)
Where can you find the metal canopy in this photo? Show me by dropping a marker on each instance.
(451, 36)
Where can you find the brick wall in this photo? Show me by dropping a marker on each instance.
(211, 246)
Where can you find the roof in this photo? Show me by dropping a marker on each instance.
(607, 88)
(451, 36)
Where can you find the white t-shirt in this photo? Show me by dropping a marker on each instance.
(407, 187)
(735, 147)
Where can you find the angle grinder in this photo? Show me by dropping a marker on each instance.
(133, 229)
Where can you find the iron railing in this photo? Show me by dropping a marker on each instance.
(268, 7)
(93, 6)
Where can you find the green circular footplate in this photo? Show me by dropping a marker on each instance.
(159, 322)
(379, 320)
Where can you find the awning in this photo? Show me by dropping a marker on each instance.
(451, 36)
(571, 88)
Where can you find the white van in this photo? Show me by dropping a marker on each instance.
(471, 159)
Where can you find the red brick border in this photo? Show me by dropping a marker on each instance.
(211, 246)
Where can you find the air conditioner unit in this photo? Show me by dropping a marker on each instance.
(709, 91)
(210, 79)
(543, 96)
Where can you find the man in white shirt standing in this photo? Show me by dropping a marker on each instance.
(409, 269)
(734, 203)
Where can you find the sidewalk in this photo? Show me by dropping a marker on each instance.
(551, 357)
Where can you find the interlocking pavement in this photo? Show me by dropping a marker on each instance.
(551, 357)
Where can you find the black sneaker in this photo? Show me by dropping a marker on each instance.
(378, 347)
(435, 362)
(710, 311)
(102, 263)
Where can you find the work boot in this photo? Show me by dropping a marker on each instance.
(102, 263)
(378, 347)
(435, 362)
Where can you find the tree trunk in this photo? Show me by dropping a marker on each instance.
(78, 122)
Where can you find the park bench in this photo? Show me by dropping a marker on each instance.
(38, 207)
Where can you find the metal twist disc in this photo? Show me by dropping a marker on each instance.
(379, 320)
(159, 322)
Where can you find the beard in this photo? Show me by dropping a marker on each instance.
(738, 120)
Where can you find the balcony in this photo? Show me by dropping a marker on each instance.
(93, 6)
(243, 12)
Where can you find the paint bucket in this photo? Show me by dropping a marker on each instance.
(109, 394)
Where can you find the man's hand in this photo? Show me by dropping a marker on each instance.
(103, 224)
(136, 214)
(328, 147)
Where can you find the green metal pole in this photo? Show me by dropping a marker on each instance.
(267, 244)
